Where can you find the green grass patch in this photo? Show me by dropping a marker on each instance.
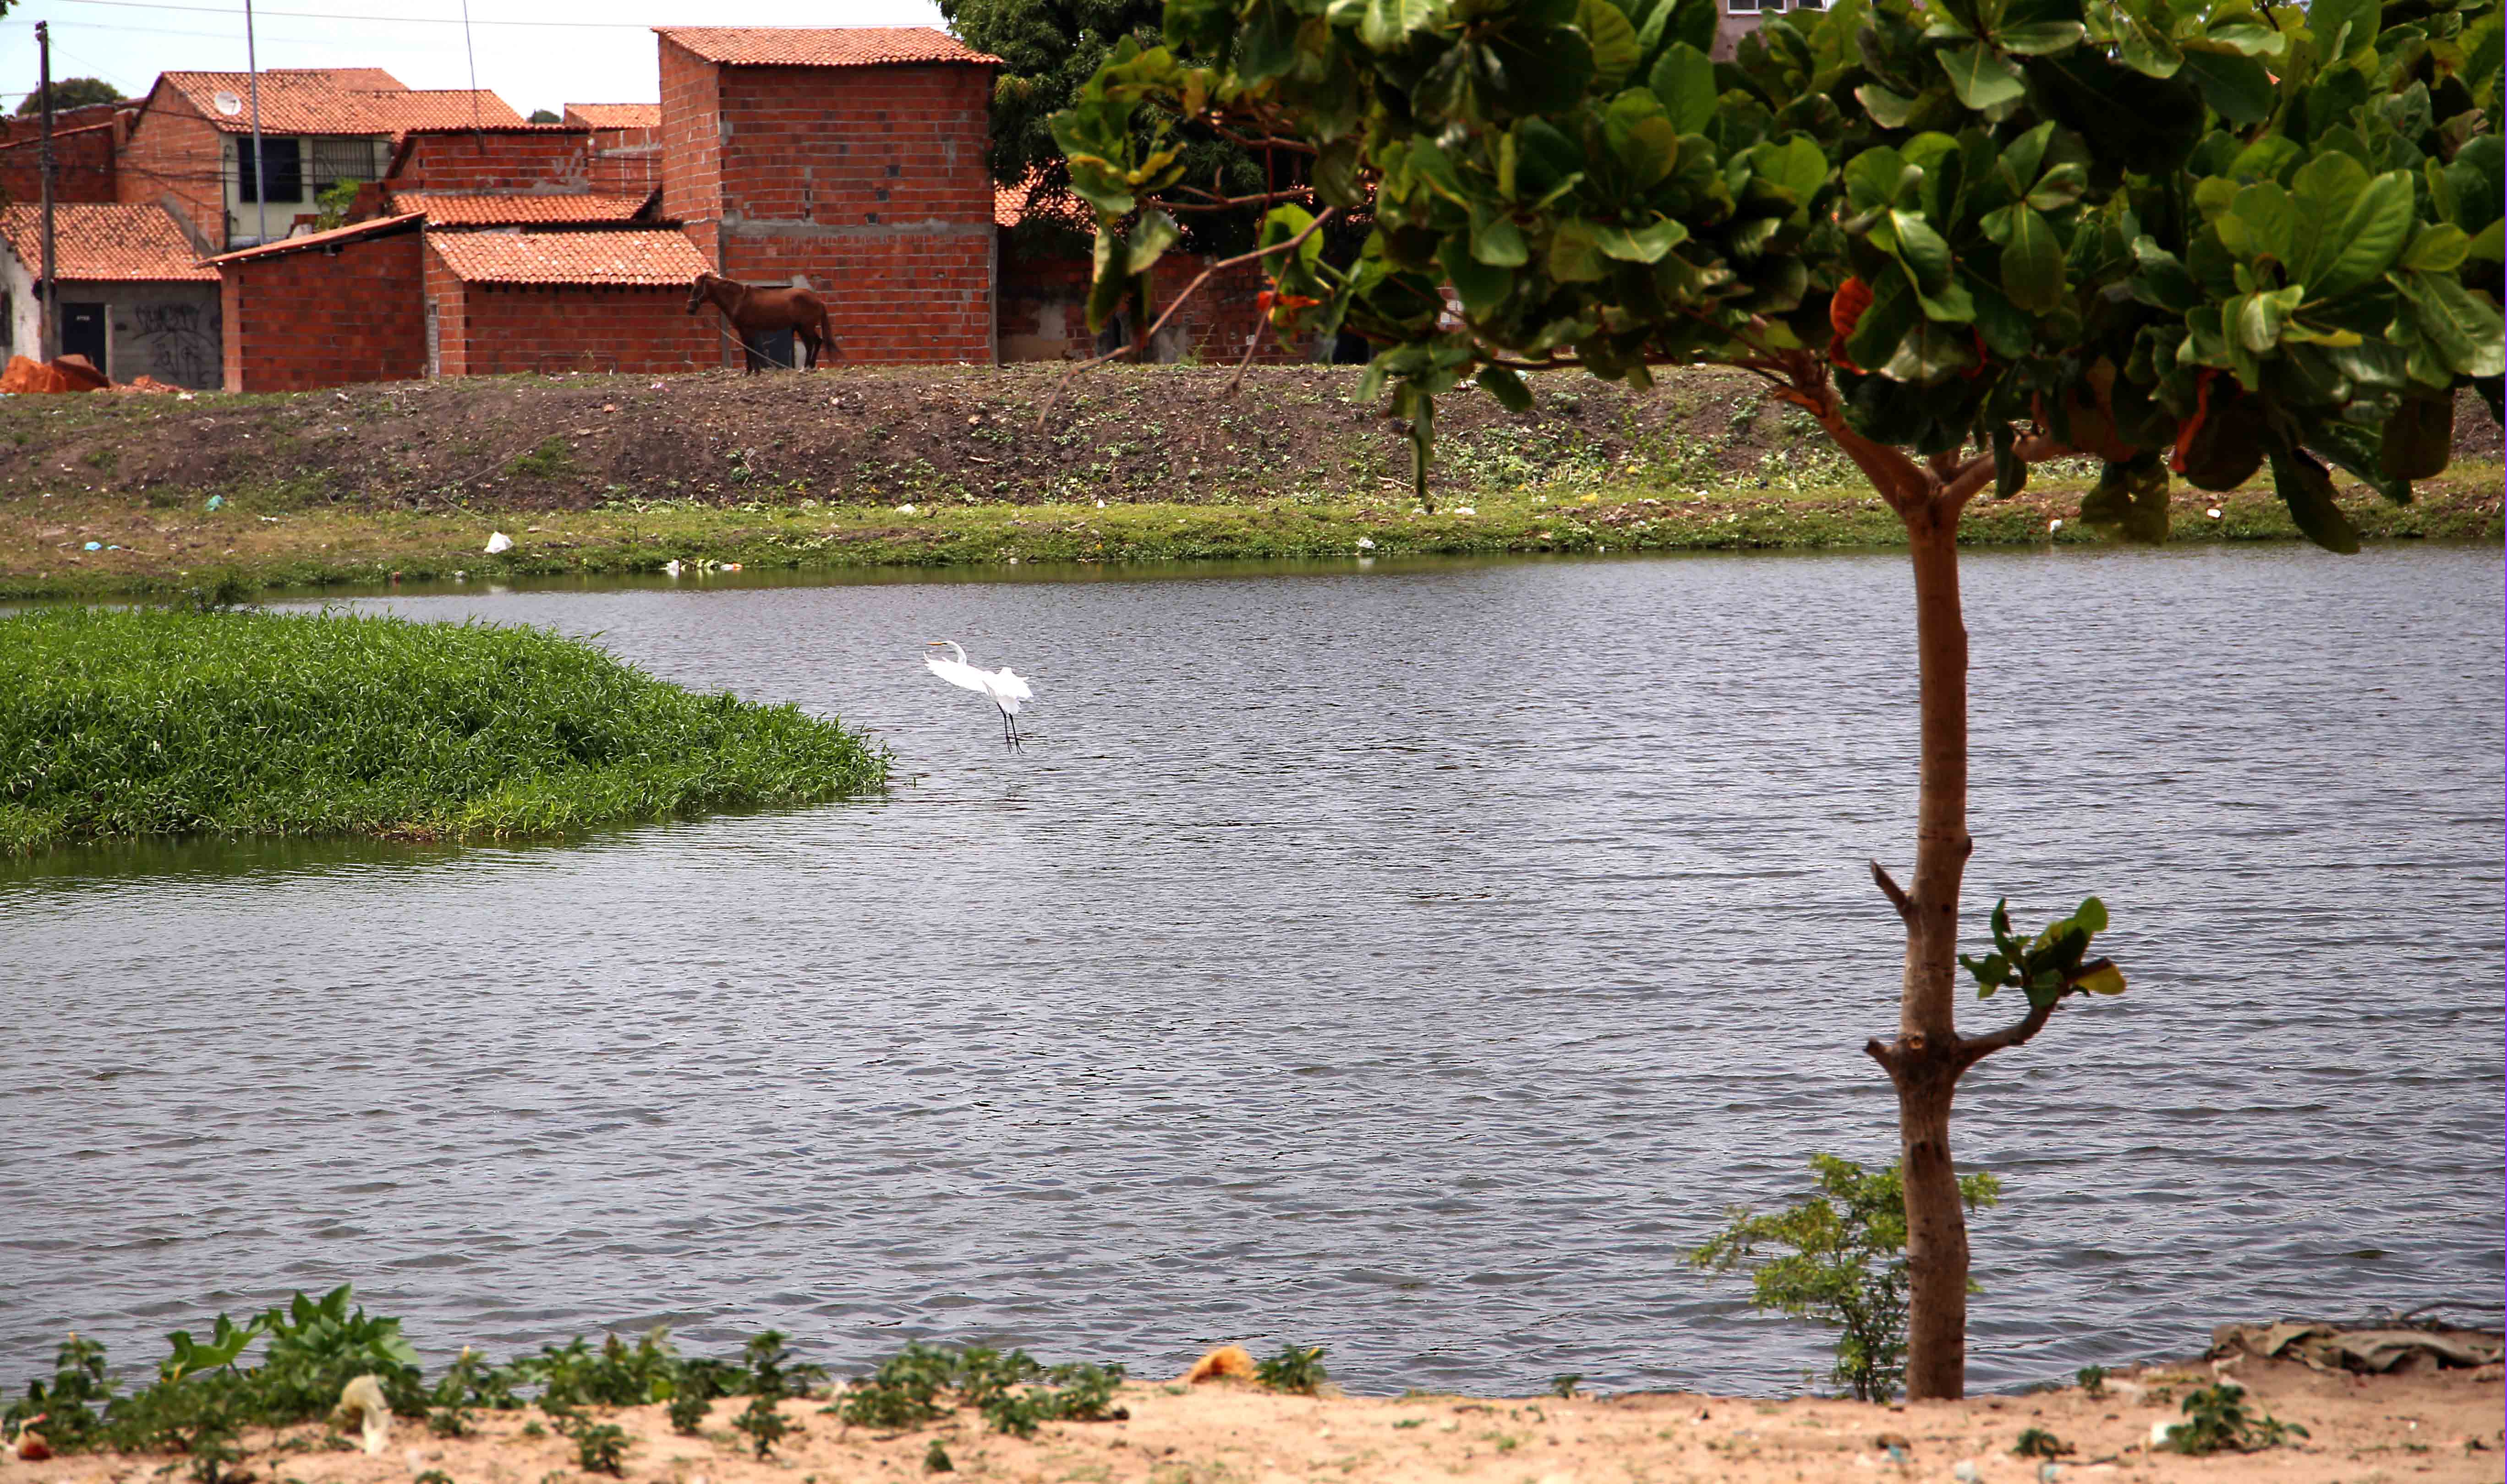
(152, 722)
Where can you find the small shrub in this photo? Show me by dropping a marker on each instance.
(904, 1392)
(214, 1455)
(764, 1425)
(2092, 1379)
(449, 1422)
(1295, 1369)
(1847, 1266)
(553, 458)
(433, 1476)
(2038, 1443)
(2217, 1420)
(688, 1413)
(601, 1449)
(532, 1428)
(1564, 1387)
(935, 1459)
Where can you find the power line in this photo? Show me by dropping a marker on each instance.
(217, 9)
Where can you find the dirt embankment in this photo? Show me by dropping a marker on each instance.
(892, 435)
(2441, 1427)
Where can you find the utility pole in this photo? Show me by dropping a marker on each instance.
(259, 162)
(47, 300)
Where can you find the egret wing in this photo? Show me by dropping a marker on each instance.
(963, 675)
(1011, 686)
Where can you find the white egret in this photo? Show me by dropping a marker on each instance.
(1004, 688)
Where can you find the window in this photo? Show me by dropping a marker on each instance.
(1742, 6)
(339, 160)
(1810, 5)
(286, 161)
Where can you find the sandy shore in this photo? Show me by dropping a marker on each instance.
(2363, 1429)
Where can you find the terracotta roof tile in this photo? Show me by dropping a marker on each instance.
(381, 226)
(867, 45)
(655, 257)
(447, 209)
(97, 241)
(615, 115)
(1025, 203)
(344, 100)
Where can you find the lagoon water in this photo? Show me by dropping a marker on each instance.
(1414, 961)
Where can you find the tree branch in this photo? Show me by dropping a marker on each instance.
(1975, 1049)
(1189, 289)
(1896, 893)
(1266, 141)
(1212, 200)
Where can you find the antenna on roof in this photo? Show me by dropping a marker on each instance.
(468, 52)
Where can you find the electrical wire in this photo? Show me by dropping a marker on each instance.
(219, 10)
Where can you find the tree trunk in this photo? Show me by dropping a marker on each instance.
(1924, 1063)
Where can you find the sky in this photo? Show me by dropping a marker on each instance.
(571, 51)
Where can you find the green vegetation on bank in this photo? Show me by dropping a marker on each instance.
(169, 722)
(278, 543)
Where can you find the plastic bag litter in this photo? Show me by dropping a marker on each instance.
(499, 541)
(363, 1401)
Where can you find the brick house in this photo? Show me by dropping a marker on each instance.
(1047, 265)
(84, 164)
(854, 157)
(327, 308)
(513, 301)
(133, 299)
(190, 143)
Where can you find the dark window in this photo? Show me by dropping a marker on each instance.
(286, 159)
(1742, 6)
(1810, 5)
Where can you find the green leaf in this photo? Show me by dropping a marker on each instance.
(1496, 239)
(1155, 232)
(2091, 919)
(2342, 28)
(1928, 261)
(1884, 326)
(2039, 38)
(2108, 980)
(1502, 383)
(1575, 252)
(2033, 264)
(1644, 244)
(2260, 224)
(2130, 500)
(1684, 79)
(1284, 222)
(2437, 248)
(1483, 287)
(2368, 241)
(1613, 40)
(2258, 318)
(2462, 328)
(1388, 23)
(2147, 49)
(2308, 491)
(2238, 88)
(1980, 76)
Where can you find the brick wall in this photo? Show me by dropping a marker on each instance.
(484, 329)
(1044, 311)
(325, 316)
(624, 159)
(691, 138)
(869, 180)
(83, 166)
(174, 157)
(549, 157)
(31, 126)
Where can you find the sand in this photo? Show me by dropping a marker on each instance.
(2437, 1426)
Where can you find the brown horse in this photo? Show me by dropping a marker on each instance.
(752, 310)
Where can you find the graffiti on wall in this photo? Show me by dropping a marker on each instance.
(180, 342)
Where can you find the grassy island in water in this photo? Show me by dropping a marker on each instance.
(162, 722)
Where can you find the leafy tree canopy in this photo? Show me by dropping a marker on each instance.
(2196, 234)
(545, 116)
(70, 93)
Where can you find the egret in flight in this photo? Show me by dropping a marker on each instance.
(1005, 689)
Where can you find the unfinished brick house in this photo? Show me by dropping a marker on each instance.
(328, 308)
(189, 144)
(133, 297)
(84, 164)
(854, 157)
(513, 301)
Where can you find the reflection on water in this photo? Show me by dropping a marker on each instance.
(1409, 962)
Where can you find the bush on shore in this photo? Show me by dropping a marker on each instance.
(117, 724)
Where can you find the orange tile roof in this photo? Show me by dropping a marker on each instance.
(95, 241)
(615, 115)
(866, 45)
(381, 226)
(333, 100)
(450, 209)
(1024, 202)
(657, 257)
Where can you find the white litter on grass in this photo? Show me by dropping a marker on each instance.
(499, 541)
(672, 566)
(2052, 526)
(905, 510)
(2213, 513)
(1366, 545)
(1466, 510)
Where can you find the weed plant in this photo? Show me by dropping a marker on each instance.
(2092, 1380)
(764, 1423)
(1293, 1369)
(2219, 1420)
(164, 722)
(1014, 1393)
(2038, 1443)
(601, 1449)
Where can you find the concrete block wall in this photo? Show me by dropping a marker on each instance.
(326, 316)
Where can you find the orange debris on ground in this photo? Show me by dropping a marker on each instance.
(71, 372)
(1226, 1362)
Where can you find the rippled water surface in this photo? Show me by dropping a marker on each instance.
(1413, 963)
